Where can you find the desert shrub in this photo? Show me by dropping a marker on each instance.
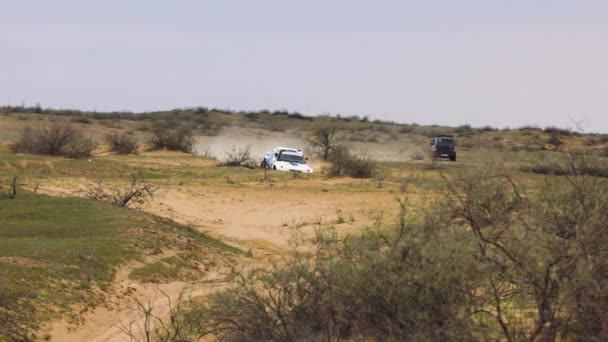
(529, 128)
(80, 147)
(384, 129)
(238, 157)
(137, 191)
(121, 143)
(56, 138)
(487, 129)
(322, 140)
(604, 152)
(81, 119)
(345, 163)
(557, 131)
(170, 136)
(554, 140)
(389, 283)
(406, 129)
(463, 129)
(531, 252)
(577, 165)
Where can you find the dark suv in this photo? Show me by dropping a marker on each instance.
(443, 146)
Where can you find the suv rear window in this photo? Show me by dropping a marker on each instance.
(445, 142)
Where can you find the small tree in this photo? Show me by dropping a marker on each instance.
(323, 140)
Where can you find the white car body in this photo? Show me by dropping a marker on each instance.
(286, 159)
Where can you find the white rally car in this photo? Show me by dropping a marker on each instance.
(286, 159)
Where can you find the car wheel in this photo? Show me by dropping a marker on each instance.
(453, 158)
(274, 167)
(263, 165)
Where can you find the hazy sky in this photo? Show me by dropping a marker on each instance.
(502, 63)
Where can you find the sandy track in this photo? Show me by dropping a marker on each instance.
(257, 219)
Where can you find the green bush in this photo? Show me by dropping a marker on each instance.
(344, 163)
(121, 143)
(171, 137)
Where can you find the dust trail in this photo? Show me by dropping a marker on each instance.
(260, 141)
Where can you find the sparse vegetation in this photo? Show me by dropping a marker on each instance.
(55, 251)
(573, 165)
(483, 254)
(238, 157)
(121, 143)
(55, 138)
(345, 163)
(171, 137)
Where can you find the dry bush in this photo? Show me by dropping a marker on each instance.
(55, 138)
(122, 195)
(121, 143)
(238, 157)
(170, 137)
(345, 163)
(144, 323)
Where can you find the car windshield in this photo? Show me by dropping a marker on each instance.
(293, 158)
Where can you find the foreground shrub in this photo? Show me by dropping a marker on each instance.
(137, 191)
(488, 262)
(345, 163)
(389, 284)
(121, 143)
(238, 157)
(164, 136)
(57, 138)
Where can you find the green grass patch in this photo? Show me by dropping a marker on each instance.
(54, 252)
